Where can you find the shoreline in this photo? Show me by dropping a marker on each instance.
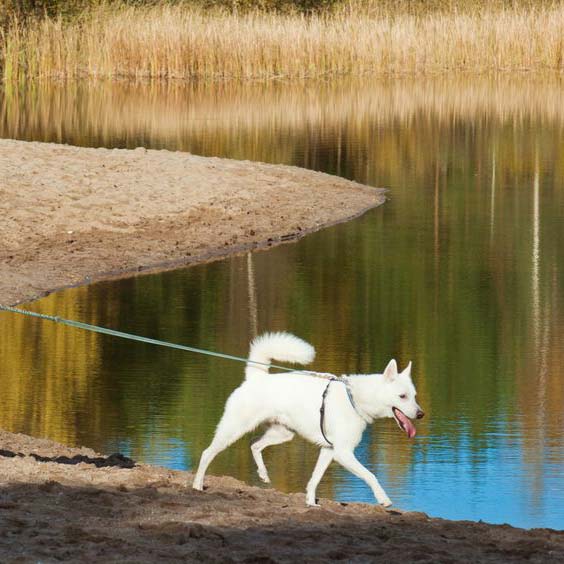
(61, 503)
(78, 215)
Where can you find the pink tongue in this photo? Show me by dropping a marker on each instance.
(407, 424)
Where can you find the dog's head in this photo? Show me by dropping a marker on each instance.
(398, 394)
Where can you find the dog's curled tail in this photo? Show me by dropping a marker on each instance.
(282, 346)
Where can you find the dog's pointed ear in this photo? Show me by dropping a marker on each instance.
(391, 371)
(407, 369)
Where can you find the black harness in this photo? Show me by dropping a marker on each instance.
(343, 380)
(322, 411)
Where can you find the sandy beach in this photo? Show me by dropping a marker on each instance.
(71, 215)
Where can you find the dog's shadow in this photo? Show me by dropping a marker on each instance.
(116, 459)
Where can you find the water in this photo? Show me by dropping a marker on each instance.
(460, 271)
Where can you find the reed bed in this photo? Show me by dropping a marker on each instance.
(179, 42)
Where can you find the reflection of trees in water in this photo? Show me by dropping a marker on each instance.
(459, 272)
(47, 373)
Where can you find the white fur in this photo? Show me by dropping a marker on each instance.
(290, 402)
(281, 346)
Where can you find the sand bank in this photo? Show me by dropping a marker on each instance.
(72, 215)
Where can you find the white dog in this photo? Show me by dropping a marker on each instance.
(328, 411)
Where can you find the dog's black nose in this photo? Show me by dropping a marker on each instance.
(420, 414)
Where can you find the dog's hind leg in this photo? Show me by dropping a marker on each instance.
(325, 458)
(275, 435)
(348, 460)
(237, 421)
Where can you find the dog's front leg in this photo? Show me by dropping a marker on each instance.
(348, 460)
(325, 458)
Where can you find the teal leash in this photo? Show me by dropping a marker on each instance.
(131, 337)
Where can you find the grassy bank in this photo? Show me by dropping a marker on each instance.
(181, 42)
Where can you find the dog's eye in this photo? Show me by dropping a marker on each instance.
(403, 396)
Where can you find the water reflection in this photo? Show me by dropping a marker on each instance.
(461, 272)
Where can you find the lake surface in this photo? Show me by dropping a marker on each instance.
(461, 271)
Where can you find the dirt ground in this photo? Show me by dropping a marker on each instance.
(71, 215)
(63, 504)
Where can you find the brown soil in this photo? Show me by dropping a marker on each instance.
(58, 503)
(70, 215)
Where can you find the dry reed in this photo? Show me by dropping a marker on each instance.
(177, 42)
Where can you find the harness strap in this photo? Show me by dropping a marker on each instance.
(322, 411)
(345, 380)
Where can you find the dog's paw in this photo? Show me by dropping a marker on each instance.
(265, 478)
(198, 486)
(312, 503)
(386, 502)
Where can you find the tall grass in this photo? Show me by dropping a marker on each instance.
(179, 42)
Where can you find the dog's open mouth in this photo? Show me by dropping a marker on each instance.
(404, 422)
